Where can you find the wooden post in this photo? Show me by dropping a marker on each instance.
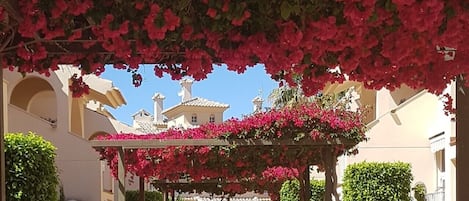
(307, 183)
(2, 145)
(462, 140)
(173, 195)
(302, 187)
(141, 188)
(327, 157)
(334, 175)
(305, 187)
(119, 191)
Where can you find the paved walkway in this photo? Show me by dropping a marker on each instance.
(197, 198)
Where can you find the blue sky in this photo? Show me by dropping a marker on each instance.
(222, 85)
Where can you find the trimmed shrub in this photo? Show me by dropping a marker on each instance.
(419, 191)
(291, 188)
(31, 173)
(377, 181)
(149, 196)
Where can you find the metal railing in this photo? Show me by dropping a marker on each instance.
(436, 196)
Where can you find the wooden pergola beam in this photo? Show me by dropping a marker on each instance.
(163, 143)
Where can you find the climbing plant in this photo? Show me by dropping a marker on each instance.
(237, 169)
(383, 43)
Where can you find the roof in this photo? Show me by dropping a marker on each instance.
(202, 102)
(148, 127)
(141, 111)
(198, 102)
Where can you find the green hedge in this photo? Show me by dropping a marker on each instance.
(419, 191)
(291, 188)
(149, 196)
(377, 181)
(31, 173)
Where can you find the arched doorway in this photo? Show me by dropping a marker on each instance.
(35, 96)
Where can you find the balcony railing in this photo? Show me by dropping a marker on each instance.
(436, 196)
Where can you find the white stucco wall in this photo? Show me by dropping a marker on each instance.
(184, 118)
(78, 164)
(407, 142)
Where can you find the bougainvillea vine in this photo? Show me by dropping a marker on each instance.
(254, 168)
(383, 43)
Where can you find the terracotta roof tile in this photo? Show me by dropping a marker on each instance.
(197, 101)
(148, 127)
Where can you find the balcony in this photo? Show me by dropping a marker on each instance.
(436, 196)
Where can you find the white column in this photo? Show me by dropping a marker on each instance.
(158, 108)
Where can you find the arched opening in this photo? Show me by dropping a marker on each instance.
(36, 96)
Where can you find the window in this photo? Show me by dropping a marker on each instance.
(194, 118)
(211, 118)
(440, 159)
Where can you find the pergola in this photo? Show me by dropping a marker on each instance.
(382, 43)
(242, 150)
(326, 148)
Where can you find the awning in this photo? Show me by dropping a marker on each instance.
(437, 142)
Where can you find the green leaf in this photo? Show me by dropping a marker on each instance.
(285, 10)
(377, 181)
(32, 174)
(299, 136)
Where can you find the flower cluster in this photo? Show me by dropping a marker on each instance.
(255, 168)
(449, 108)
(382, 43)
(280, 173)
(78, 87)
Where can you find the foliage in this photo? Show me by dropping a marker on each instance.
(377, 181)
(149, 196)
(61, 193)
(419, 191)
(291, 188)
(382, 43)
(253, 167)
(290, 191)
(287, 96)
(31, 173)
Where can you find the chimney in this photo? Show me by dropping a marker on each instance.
(158, 108)
(186, 91)
(257, 101)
